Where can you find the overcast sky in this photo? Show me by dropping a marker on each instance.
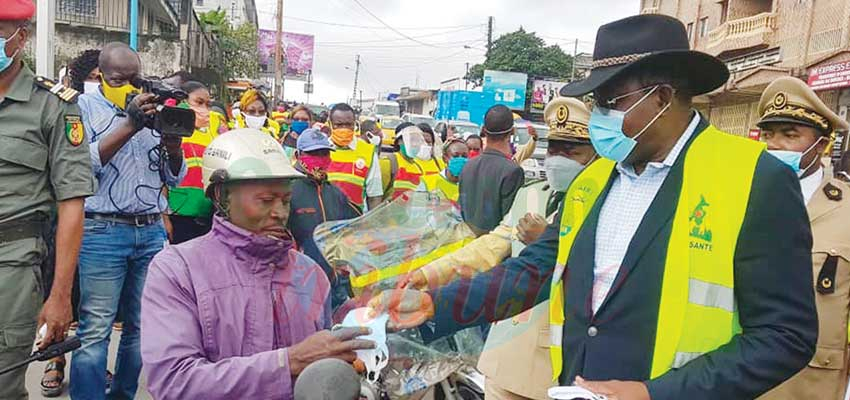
(439, 28)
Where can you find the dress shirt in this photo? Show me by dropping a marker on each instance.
(130, 182)
(624, 208)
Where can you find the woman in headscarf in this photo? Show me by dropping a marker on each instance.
(254, 113)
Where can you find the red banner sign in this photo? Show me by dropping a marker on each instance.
(832, 76)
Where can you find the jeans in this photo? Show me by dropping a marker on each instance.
(113, 264)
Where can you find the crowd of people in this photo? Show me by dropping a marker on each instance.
(666, 260)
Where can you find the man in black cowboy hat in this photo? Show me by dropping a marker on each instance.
(667, 276)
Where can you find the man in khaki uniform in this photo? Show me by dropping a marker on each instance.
(798, 129)
(516, 356)
(43, 168)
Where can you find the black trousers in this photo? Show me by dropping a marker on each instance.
(188, 228)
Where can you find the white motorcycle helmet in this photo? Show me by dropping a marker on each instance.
(244, 154)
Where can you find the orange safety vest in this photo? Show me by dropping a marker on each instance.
(349, 169)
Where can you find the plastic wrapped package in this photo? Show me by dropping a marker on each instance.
(414, 367)
(382, 246)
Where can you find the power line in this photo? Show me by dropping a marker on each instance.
(438, 45)
(390, 27)
(418, 28)
(396, 40)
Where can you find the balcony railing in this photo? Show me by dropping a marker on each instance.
(742, 33)
(649, 10)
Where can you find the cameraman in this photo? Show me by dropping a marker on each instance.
(123, 229)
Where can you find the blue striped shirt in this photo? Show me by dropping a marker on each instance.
(130, 182)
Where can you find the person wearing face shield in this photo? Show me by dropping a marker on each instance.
(406, 172)
(680, 264)
(253, 113)
(514, 341)
(199, 342)
(798, 127)
(190, 210)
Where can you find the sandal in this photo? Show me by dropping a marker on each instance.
(51, 384)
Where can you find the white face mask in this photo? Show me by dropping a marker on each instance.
(375, 140)
(561, 171)
(90, 87)
(424, 153)
(255, 122)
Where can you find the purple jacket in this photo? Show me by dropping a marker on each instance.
(220, 311)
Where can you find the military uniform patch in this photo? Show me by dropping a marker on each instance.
(74, 130)
(832, 192)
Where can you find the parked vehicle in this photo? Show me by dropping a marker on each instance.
(419, 119)
(383, 109)
(388, 125)
(533, 167)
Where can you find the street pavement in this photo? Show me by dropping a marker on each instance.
(34, 374)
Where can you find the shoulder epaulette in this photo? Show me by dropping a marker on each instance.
(68, 95)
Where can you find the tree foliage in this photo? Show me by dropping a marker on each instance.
(524, 52)
(238, 45)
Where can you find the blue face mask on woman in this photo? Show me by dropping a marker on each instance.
(299, 126)
(606, 128)
(456, 165)
(5, 60)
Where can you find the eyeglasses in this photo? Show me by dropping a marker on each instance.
(611, 103)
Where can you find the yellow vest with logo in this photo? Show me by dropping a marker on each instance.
(430, 171)
(349, 170)
(697, 313)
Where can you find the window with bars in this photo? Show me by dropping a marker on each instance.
(690, 31)
(86, 8)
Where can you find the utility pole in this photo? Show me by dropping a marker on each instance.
(356, 74)
(46, 15)
(361, 100)
(489, 35)
(575, 53)
(279, 68)
(134, 24)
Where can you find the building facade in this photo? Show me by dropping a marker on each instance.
(170, 35)
(238, 11)
(761, 40)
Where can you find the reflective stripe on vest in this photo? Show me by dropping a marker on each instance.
(407, 177)
(349, 168)
(697, 313)
(193, 154)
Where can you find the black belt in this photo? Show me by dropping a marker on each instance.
(25, 228)
(136, 220)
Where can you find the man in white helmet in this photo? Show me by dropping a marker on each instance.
(238, 312)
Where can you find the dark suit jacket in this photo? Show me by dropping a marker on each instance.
(773, 288)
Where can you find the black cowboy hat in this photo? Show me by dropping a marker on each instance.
(649, 41)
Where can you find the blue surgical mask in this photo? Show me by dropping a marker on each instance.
(456, 165)
(561, 171)
(794, 158)
(6, 61)
(606, 130)
(299, 126)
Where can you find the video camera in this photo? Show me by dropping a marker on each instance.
(169, 119)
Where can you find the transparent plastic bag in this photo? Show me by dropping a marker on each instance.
(382, 246)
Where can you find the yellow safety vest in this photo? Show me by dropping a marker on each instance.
(430, 171)
(449, 189)
(350, 168)
(697, 313)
